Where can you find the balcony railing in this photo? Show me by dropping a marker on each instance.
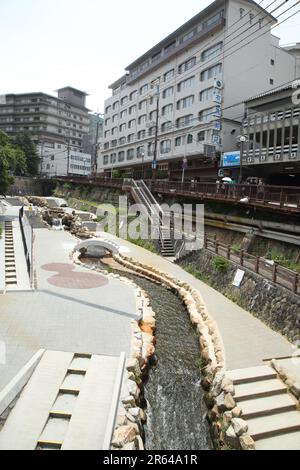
(272, 155)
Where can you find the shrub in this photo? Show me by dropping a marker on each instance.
(220, 265)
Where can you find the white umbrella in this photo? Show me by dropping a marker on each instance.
(227, 180)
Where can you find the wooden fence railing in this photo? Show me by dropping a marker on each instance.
(269, 270)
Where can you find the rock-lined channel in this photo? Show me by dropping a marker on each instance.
(173, 393)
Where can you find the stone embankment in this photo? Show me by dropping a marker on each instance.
(229, 430)
(274, 305)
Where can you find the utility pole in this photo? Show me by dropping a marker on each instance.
(68, 157)
(242, 139)
(95, 165)
(154, 162)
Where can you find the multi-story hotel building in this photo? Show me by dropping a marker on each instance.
(57, 126)
(197, 78)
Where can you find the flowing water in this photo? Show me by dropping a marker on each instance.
(173, 393)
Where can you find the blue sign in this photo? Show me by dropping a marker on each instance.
(231, 159)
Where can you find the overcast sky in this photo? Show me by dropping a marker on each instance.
(48, 44)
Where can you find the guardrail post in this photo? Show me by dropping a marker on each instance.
(216, 246)
(228, 251)
(205, 242)
(242, 258)
(295, 283)
(257, 264)
(274, 274)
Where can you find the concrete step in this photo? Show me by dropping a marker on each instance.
(252, 374)
(274, 425)
(290, 441)
(260, 389)
(268, 405)
(49, 416)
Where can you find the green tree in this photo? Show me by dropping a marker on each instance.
(23, 142)
(11, 160)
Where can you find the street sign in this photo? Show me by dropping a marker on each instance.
(231, 159)
(154, 165)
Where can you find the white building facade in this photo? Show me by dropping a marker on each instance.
(201, 73)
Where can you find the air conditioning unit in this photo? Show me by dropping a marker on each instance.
(218, 84)
(293, 155)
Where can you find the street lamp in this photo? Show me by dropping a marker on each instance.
(242, 139)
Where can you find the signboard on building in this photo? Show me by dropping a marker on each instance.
(231, 159)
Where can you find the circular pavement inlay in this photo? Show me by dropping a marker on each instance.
(68, 278)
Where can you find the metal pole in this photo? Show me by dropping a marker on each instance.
(241, 162)
(156, 133)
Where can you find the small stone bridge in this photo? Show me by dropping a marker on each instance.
(108, 245)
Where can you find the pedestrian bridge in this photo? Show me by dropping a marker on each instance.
(105, 243)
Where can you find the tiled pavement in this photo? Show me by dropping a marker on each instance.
(81, 311)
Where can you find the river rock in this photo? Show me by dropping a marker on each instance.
(240, 426)
(215, 413)
(123, 435)
(229, 402)
(227, 418)
(217, 384)
(236, 412)
(133, 366)
(130, 446)
(133, 389)
(231, 438)
(129, 402)
(247, 443)
(227, 386)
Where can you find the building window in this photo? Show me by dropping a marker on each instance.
(140, 152)
(132, 109)
(184, 121)
(178, 141)
(133, 95)
(213, 19)
(207, 95)
(121, 156)
(114, 143)
(242, 11)
(152, 130)
(124, 100)
(168, 92)
(166, 126)
(212, 72)
(169, 75)
(107, 121)
(185, 102)
(105, 159)
(152, 115)
(106, 134)
(165, 146)
(251, 17)
(190, 139)
(143, 89)
(150, 149)
(131, 123)
(272, 62)
(142, 104)
(187, 65)
(106, 145)
(206, 115)
(212, 52)
(271, 81)
(122, 141)
(141, 134)
(113, 158)
(130, 154)
(142, 119)
(188, 36)
(115, 117)
(116, 105)
(114, 130)
(123, 114)
(122, 127)
(188, 83)
(130, 137)
(167, 109)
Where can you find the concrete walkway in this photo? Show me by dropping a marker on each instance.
(247, 340)
(72, 309)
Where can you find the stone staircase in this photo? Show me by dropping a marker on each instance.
(10, 262)
(271, 412)
(69, 403)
